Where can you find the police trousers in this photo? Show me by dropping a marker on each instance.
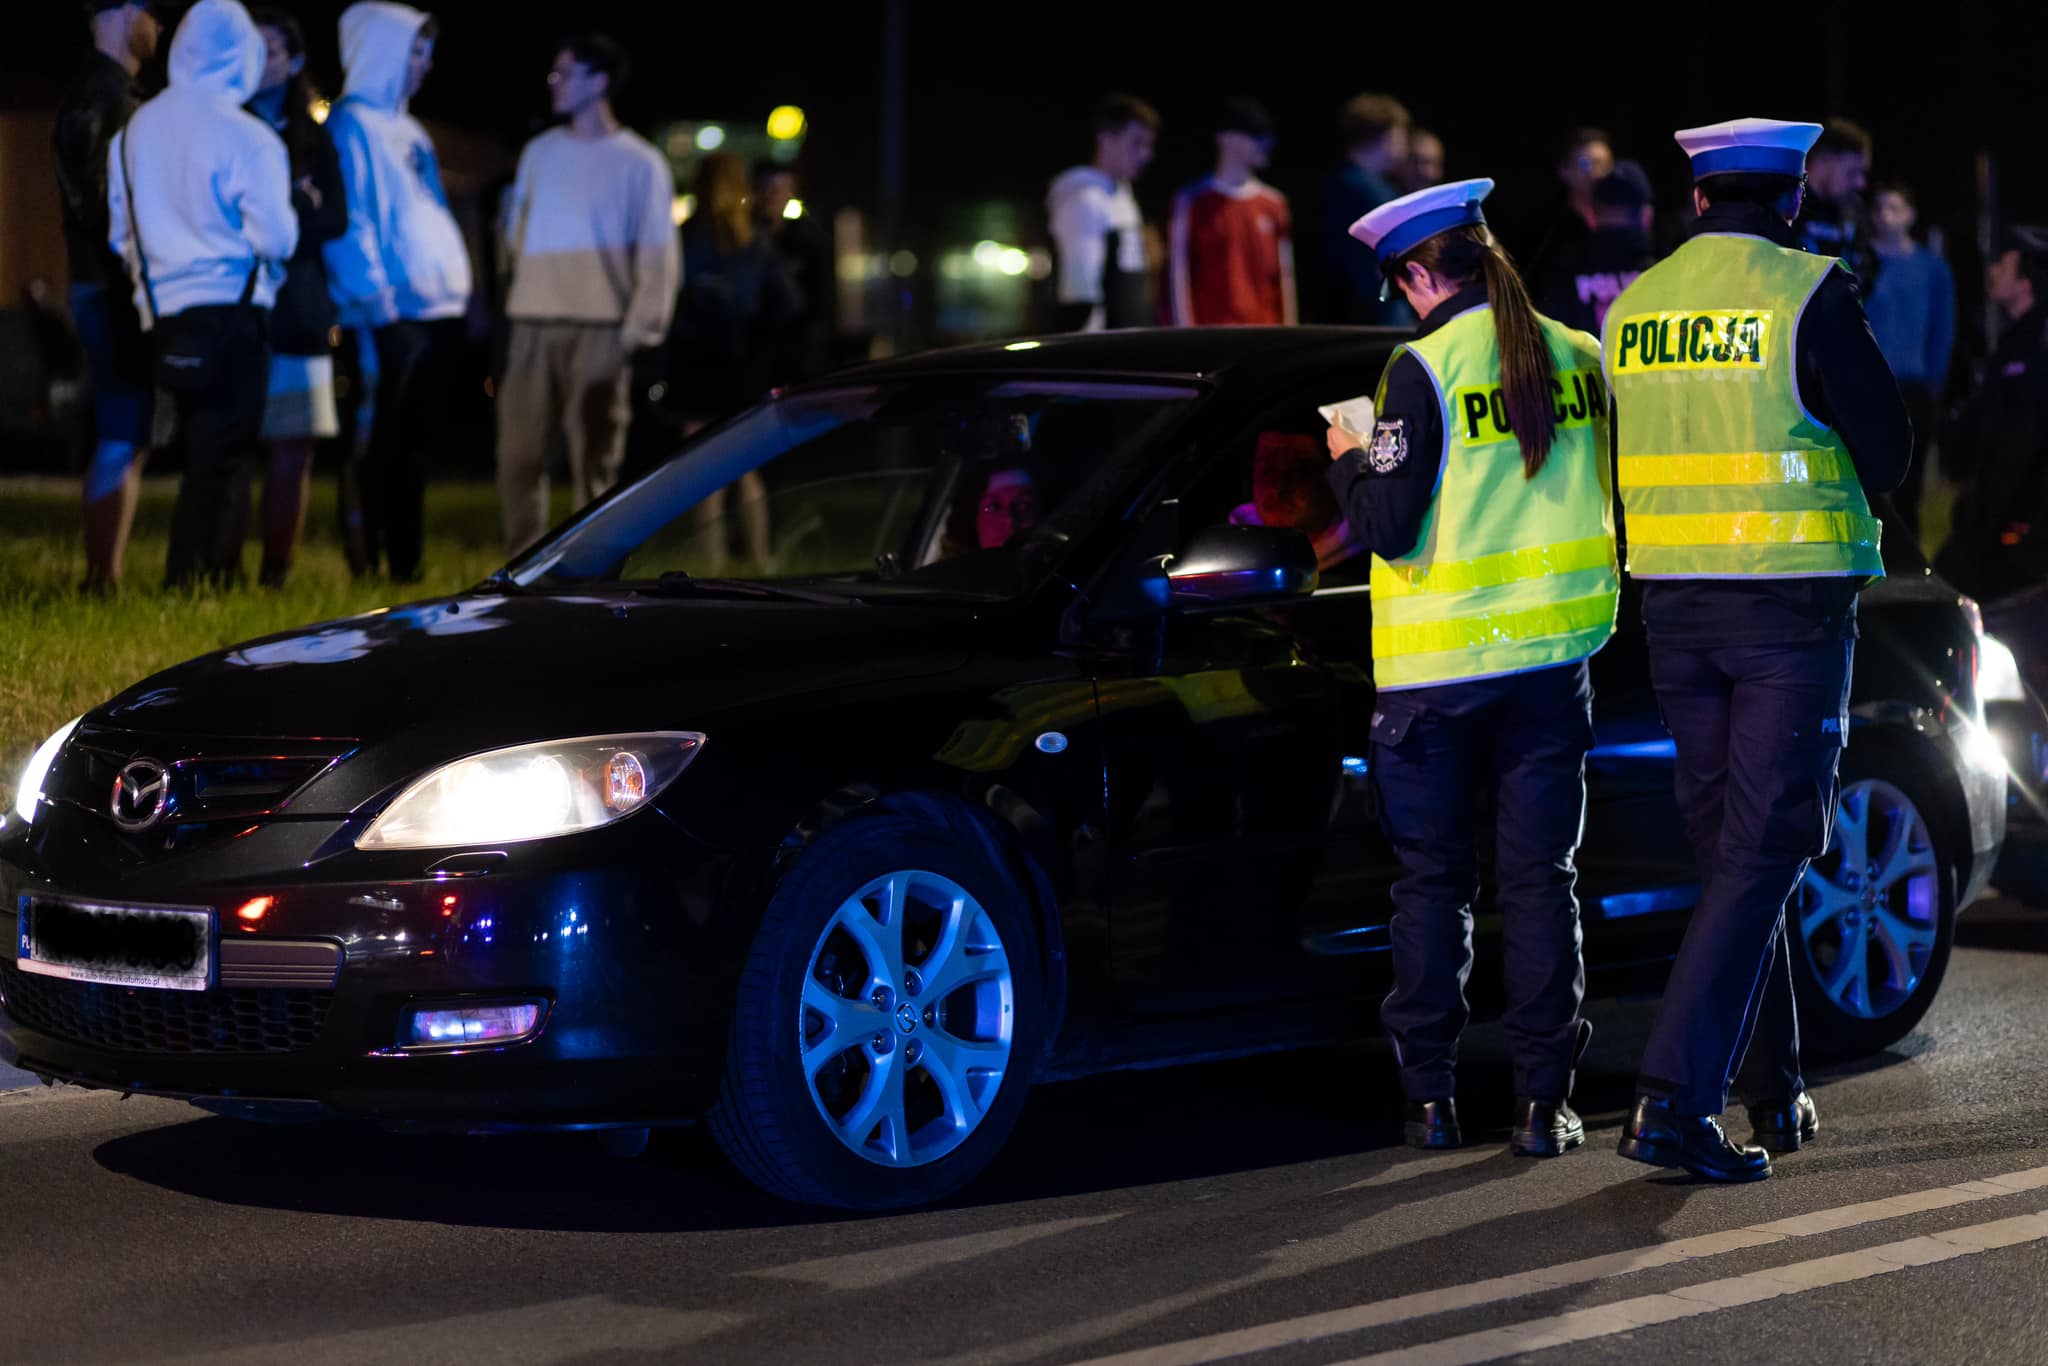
(1435, 751)
(1760, 730)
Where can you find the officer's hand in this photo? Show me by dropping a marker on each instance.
(1343, 442)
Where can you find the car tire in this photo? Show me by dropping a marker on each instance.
(1869, 951)
(808, 1034)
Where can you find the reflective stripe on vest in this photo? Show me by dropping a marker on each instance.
(1509, 573)
(1497, 628)
(1490, 571)
(1723, 472)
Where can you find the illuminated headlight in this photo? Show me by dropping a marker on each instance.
(1998, 673)
(28, 792)
(533, 792)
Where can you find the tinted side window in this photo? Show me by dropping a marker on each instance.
(1273, 472)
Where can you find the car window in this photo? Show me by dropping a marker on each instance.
(944, 484)
(1273, 472)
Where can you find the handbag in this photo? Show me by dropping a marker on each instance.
(188, 344)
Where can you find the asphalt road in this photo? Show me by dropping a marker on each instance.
(1260, 1209)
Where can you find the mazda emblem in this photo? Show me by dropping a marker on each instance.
(142, 792)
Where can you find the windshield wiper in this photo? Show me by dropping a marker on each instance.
(678, 584)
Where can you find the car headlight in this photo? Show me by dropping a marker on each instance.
(1998, 673)
(533, 792)
(28, 792)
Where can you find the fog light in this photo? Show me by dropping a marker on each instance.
(476, 1025)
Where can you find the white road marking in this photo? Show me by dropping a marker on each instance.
(1707, 1297)
(565, 1330)
(1380, 1313)
(867, 1270)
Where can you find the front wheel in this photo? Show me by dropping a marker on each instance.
(887, 1021)
(1873, 918)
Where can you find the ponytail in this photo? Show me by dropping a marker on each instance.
(1526, 372)
(1526, 369)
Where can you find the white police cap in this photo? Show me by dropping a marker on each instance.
(1401, 224)
(1767, 146)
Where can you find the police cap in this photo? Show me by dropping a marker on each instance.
(1400, 225)
(1752, 146)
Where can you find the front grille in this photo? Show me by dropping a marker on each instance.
(137, 1020)
(214, 780)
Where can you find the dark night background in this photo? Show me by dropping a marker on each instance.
(996, 95)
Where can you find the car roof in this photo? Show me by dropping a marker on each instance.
(1179, 352)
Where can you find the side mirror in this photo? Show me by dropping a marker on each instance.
(1225, 566)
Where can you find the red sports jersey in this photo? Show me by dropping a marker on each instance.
(1231, 255)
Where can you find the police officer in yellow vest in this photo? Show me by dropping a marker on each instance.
(1484, 494)
(1752, 412)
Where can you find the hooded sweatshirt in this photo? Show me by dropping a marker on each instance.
(403, 257)
(212, 193)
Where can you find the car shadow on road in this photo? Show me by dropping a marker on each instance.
(1182, 1124)
(1118, 1131)
(1077, 1138)
(547, 1182)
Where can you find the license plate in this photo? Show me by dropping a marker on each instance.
(169, 948)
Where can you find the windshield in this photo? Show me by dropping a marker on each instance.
(948, 484)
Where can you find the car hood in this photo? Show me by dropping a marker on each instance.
(484, 669)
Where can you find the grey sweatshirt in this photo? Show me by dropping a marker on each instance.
(589, 237)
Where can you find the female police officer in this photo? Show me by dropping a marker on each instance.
(1484, 494)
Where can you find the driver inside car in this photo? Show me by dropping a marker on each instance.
(996, 495)
(1289, 490)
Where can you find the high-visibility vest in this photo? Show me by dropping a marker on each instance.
(1509, 573)
(1723, 472)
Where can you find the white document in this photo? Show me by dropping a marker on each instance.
(1353, 414)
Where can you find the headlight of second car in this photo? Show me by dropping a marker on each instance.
(1998, 673)
(533, 792)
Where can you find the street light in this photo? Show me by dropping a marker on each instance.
(786, 123)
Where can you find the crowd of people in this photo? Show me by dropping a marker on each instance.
(214, 317)
(227, 235)
(1228, 257)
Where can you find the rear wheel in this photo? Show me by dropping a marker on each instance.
(1872, 920)
(887, 1021)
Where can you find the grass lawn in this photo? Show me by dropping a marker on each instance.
(61, 654)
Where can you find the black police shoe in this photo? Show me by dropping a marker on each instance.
(1784, 1128)
(1545, 1128)
(1433, 1124)
(1660, 1136)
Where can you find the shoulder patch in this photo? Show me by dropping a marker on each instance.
(1389, 446)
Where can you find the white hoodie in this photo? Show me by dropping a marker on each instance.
(213, 186)
(403, 256)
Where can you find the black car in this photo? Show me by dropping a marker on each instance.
(1025, 739)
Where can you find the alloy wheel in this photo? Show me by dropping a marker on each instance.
(907, 1018)
(1868, 913)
